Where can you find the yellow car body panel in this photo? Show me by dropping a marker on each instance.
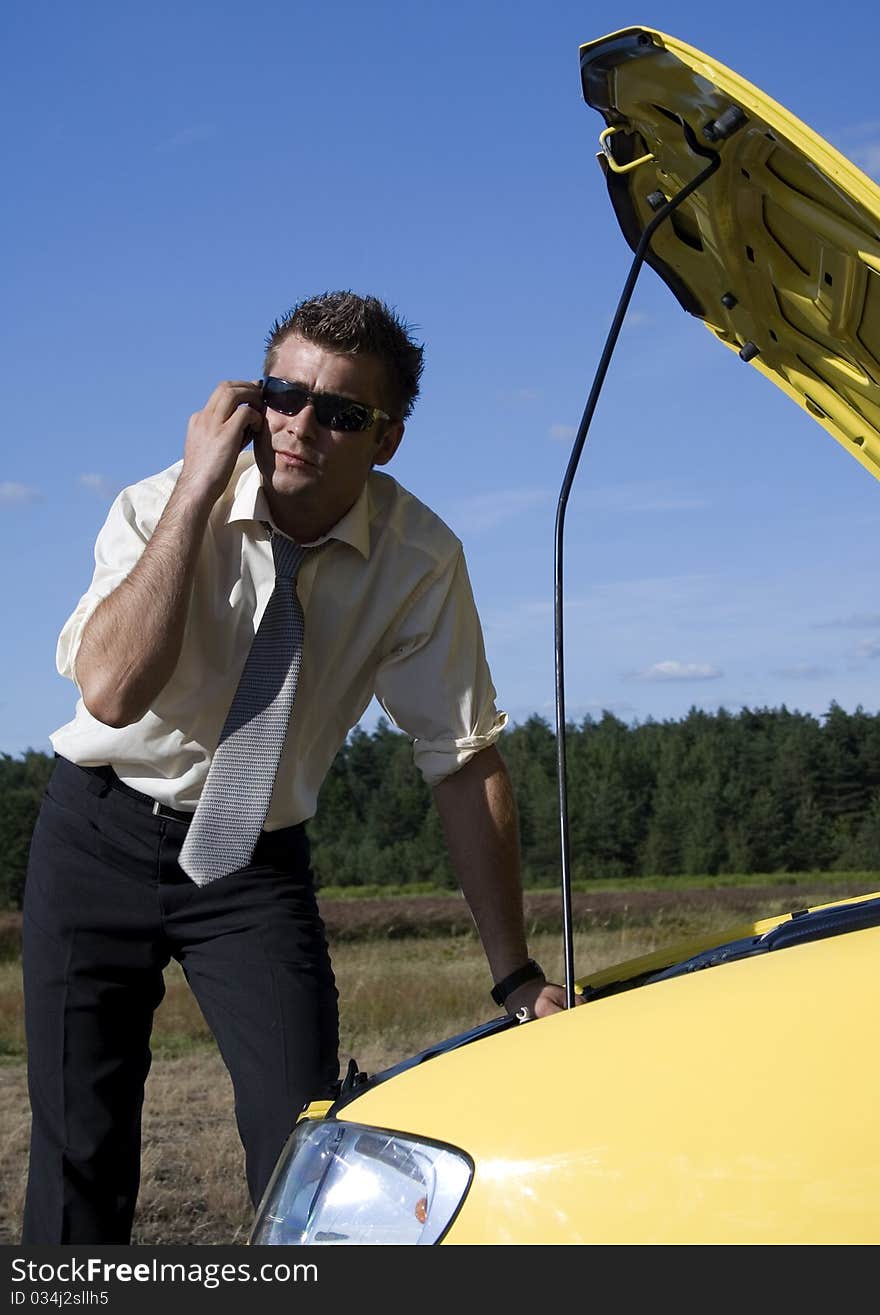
(778, 252)
(734, 1105)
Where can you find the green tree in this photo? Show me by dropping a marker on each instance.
(529, 751)
(22, 783)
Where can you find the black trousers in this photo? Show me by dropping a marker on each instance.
(106, 908)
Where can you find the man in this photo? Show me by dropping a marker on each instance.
(141, 851)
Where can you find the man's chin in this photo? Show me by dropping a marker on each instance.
(293, 482)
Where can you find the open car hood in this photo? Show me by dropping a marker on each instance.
(682, 958)
(778, 252)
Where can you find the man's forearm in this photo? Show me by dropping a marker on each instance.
(132, 641)
(478, 811)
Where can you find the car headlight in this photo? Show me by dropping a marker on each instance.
(347, 1184)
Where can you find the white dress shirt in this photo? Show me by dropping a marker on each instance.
(388, 611)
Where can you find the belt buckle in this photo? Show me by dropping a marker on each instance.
(167, 814)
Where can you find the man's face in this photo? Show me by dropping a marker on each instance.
(312, 475)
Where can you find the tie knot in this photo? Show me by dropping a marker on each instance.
(288, 555)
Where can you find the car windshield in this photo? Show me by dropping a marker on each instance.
(803, 926)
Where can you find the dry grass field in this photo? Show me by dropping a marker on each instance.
(410, 971)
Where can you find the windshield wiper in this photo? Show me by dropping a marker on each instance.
(803, 926)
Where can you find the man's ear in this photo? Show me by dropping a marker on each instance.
(389, 442)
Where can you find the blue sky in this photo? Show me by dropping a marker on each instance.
(178, 175)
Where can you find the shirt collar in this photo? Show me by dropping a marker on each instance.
(249, 503)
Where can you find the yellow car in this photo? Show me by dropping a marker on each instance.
(722, 1090)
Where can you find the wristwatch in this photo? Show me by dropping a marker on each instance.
(529, 972)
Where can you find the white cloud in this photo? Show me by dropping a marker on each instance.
(802, 671)
(641, 496)
(517, 399)
(868, 158)
(186, 137)
(624, 608)
(487, 510)
(562, 433)
(12, 492)
(98, 484)
(869, 648)
(672, 670)
(860, 142)
(858, 621)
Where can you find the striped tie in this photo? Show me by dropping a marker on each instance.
(238, 790)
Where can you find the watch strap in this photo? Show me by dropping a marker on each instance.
(529, 972)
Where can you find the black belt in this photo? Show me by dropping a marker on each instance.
(112, 781)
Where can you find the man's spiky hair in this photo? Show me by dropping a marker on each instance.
(355, 326)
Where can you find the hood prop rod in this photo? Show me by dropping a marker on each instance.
(610, 342)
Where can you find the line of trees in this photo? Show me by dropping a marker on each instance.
(764, 790)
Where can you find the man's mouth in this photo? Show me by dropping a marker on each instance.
(295, 460)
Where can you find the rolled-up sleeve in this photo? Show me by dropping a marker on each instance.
(120, 543)
(435, 683)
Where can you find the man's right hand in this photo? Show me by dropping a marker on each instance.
(233, 414)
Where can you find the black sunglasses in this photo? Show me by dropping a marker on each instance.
(332, 411)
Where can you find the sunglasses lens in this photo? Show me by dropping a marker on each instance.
(284, 397)
(342, 415)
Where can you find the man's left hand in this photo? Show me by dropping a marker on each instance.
(541, 999)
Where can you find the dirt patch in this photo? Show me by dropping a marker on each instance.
(400, 916)
(448, 915)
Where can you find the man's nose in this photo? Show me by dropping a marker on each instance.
(305, 423)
